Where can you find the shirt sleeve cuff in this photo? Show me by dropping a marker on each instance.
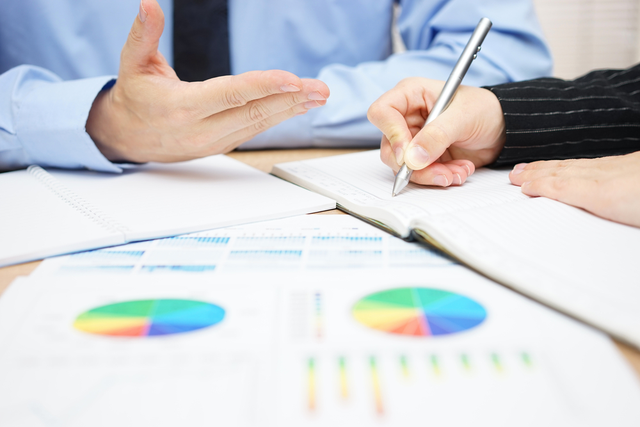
(51, 124)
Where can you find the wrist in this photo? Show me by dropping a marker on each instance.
(102, 128)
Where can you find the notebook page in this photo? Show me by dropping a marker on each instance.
(36, 223)
(366, 171)
(157, 200)
(561, 255)
(361, 179)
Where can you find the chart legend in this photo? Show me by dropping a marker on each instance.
(146, 318)
(418, 312)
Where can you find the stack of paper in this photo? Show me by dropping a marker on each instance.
(395, 345)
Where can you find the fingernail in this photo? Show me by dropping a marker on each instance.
(290, 88)
(419, 156)
(518, 168)
(468, 170)
(316, 96)
(441, 180)
(142, 14)
(398, 153)
(456, 179)
(311, 104)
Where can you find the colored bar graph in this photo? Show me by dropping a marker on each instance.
(270, 242)
(497, 363)
(177, 268)
(344, 387)
(405, 366)
(435, 365)
(526, 358)
(108, 255)
(375, 382)
(194, 242)
(318, 315)
(311, 384)
(351, 241)
(465, 362)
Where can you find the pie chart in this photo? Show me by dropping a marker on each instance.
(418, 312)
(147, 318)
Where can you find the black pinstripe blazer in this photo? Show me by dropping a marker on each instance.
(593, 116)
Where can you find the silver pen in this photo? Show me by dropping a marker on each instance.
(469, 53)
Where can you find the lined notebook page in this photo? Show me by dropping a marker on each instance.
(362, 183)
(157, 200)
(366, 172)
(36, 223)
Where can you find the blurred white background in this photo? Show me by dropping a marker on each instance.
(590, 34)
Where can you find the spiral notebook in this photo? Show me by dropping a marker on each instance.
(53, 212)
(560, 255)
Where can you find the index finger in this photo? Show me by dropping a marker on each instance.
(223, 93)
(388, 114)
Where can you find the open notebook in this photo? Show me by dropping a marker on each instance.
(52, 212)
(565, 257)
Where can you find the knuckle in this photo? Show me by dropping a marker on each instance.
(135, 36)
(259, 127)
(374, 112)
(408, 82)
(257, 112)
(233, 99)
(290, 101)
(395, 136)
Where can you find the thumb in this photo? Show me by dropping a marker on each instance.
(142, 44)
(432, 141)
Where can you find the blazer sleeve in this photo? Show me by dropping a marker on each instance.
(593, 116)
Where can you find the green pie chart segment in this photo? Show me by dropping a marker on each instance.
(418, 311)
(146, 318)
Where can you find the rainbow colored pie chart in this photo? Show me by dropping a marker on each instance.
(418, 312)
(148, 318)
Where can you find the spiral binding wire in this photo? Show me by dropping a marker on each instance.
(77, 202)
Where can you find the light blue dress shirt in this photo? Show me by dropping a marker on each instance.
(56, 56)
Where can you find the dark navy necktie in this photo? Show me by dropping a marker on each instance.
(200, 39)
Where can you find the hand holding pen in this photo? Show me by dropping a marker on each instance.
(395, 114)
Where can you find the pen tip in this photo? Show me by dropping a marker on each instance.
(393, 194)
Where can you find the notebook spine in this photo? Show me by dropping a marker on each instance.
(76, 202)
